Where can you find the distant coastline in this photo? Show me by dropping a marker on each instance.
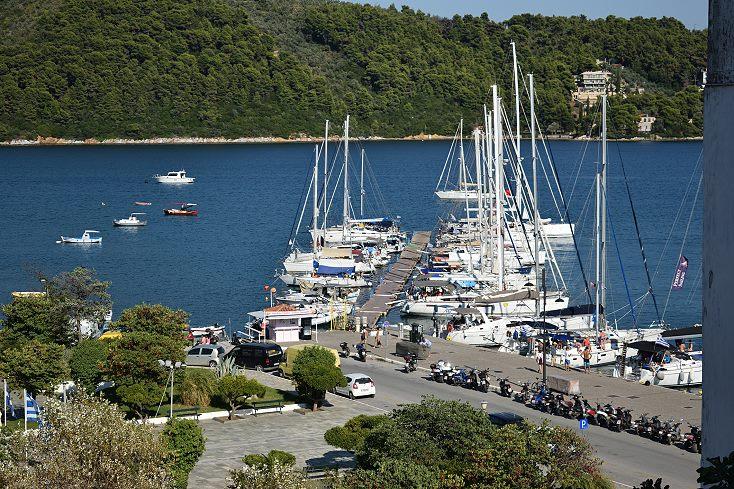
(53, 141)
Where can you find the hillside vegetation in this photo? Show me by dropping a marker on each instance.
(144, 68)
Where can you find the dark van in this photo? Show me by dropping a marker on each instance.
(258, 356)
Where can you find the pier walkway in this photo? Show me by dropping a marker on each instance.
(394, 280)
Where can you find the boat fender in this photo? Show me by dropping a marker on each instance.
(682, 377)
(660, 375)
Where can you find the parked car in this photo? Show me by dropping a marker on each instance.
(291, 352)
(358, 385)
(501, 419)
(258, 356)
(205, 355)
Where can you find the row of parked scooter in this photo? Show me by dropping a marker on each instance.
(537, 396)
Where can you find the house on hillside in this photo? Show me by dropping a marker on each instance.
(645, 123)
(590, 85)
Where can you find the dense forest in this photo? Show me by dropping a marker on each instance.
(145, 68)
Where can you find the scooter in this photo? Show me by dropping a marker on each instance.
(479, 380)
(361, 352)
(524, 395)
(505, 388)
(345, 352)
(643, 427)
(460, 378)
(411, 362)
(590, 412)
(436, 373)
(692, 440)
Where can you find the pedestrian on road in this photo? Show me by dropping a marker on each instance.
(587, 358)
(378, 341)
(363, 336)
(567, 358)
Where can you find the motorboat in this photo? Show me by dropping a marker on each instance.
(131, 221)
(174, 177)
(185, 209)
(138, 202)
(85, 239)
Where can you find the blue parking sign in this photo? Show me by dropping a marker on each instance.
(583, 424)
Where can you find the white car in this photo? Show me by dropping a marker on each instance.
(358, 385)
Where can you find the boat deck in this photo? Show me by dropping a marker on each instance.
(393, 282)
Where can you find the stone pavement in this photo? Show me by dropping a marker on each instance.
(596, 387)
(297, 433)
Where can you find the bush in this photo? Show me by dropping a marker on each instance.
(274, 476)
(279, 457)
(352, 434)
(184, 441)
(198, 387)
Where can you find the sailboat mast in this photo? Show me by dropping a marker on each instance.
(597, 301)
(518, 182)
(315, 225)
(361, 186)
(326, 172)
(480, 198)
(499, 186)
(534, 153)
(603, 205)
(345, 212)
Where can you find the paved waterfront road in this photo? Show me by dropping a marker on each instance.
(628, 459)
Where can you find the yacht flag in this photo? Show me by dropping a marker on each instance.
(680, 273)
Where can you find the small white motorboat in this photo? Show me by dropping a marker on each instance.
(85, 239)
(131, 221)
(174, 177)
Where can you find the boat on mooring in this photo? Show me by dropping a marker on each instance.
(85, 239)
(132, 221)
(174, 177)
(186, 209)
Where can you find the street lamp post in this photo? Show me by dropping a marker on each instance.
(171, 365)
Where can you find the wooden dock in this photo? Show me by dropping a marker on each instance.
(394, 280)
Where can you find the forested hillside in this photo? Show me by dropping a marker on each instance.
(143, 68)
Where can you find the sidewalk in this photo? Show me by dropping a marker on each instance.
(668, 403)
(300, 433)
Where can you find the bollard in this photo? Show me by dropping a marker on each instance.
(484, 405)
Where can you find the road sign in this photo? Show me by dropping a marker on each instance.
(583, 424)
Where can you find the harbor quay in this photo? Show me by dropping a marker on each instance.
(595, 387)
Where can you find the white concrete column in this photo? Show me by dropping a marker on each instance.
(718, 234)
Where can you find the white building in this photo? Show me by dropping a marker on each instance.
(590, 85)
(645, 123)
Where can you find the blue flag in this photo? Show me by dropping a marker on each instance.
(31, 409)
(8, 402)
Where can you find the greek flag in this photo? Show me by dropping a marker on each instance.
(8, 403)
(31, 409)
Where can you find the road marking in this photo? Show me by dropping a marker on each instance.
(623, 485)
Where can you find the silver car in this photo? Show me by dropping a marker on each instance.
(205, 355)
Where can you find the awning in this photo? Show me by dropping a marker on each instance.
(650, 346)
(323, 269)
(336, 252)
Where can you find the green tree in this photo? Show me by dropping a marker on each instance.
(315, 372)
(184, 441)
(235, 390)
(351, 436)
(34, 366)
(199, 385)
(450, 444)
(139, 397)
(86, 360)
(36, 317)
(81, 296)
(85, 443)
(718, 473)
(155, 318)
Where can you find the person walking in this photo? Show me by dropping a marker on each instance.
(567, 358)
(586, 355)
(378, 341)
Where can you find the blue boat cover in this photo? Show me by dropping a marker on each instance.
(327, 270)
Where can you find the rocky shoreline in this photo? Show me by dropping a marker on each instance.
(53, 141)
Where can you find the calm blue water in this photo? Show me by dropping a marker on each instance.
(215, 265)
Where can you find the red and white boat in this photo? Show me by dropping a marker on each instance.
(184, 210)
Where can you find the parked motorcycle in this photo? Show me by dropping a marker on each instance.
(505, 388)
(524, 395)
(643, 426)
(459, 378)
(480, 380)
(411, 362)
(344, 352)
(590, 412)
(692, 439)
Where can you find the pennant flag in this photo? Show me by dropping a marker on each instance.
(31, 409)
(8, 402)
(680, 273)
